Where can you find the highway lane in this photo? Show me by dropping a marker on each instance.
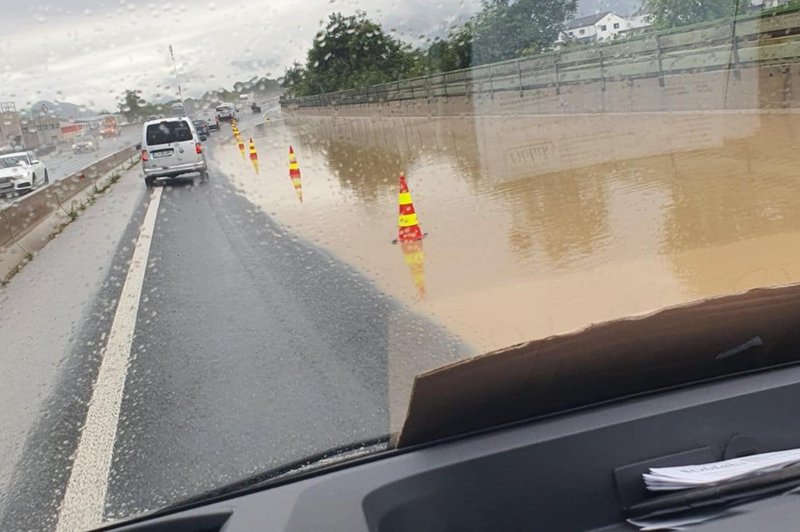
(252, 348)
(63, 162)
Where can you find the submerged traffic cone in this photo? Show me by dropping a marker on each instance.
(294, 174)
(415, 259)
(409, 229)
(240, 142)
(253, 155)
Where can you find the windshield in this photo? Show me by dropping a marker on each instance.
(379, 189)
(11, 161)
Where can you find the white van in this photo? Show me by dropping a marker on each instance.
(170, 148)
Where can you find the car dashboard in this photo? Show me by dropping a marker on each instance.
(579, 470)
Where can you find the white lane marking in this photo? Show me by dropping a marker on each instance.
(84, 499)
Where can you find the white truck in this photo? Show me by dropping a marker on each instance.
(226, 112)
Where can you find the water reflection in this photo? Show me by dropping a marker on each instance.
(565, 216)
(367, 171)
(414, 257)
(367, 155)
(746, 189)
(294, 174)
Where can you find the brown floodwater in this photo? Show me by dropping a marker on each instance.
(541, 225)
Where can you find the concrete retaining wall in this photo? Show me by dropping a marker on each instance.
(754, 87)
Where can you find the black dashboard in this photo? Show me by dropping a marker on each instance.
(575, 471)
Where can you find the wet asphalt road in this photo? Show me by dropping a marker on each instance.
(252, 348)
(63, 162)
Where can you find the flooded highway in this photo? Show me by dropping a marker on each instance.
(541, 225)
(274, 303)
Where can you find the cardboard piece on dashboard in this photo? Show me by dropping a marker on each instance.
(673, 346)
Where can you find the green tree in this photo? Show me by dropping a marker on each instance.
(294, 80)
(132, 105)
(672, 13)
(503, 29)
(453, 53)
(351, 51)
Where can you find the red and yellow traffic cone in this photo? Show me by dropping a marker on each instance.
(415, 260)
(294, 174)
(253, 155)
(240, 142)
(409, 229)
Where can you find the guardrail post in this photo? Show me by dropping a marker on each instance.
(660, 65)
(735, 51)
(519, 78)
(491, 83)
(602, 72)
(558, 81)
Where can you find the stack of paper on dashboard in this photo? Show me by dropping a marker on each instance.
(698, 475)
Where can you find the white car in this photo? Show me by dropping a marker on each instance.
(21, 172)
(85, 144)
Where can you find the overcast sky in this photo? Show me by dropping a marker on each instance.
(89, 51)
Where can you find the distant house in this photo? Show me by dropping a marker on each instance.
(766, 4)
(602, 27)
(591, 28)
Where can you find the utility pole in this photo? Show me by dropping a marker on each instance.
(175, 69)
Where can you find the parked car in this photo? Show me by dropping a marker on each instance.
(21, 172)
(171, 148)
(202, 128)
(85, 144)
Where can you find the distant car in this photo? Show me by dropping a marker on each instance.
(213, 125)
(178, 109)
(85, 144)
(226, 112)
(202, 128)
(21, 172)
(171, 148)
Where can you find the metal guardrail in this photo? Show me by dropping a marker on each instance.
(26, 212)
(756, 39)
